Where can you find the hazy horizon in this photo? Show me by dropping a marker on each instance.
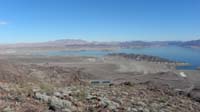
(27, 21)
(31, 42)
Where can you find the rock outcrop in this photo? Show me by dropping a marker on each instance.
(141, 57)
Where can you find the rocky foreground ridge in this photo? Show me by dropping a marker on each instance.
(46, 88)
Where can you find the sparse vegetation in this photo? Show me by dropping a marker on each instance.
(58, 88)
(46, 88)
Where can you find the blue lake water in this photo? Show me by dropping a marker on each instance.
(174, 53)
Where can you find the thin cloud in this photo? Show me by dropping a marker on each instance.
(3, 23)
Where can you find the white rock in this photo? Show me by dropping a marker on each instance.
(182, 74)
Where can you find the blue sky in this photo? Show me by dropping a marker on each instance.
(99, 20)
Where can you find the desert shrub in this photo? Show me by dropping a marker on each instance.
(47, 88)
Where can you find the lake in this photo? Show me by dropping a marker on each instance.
(174, 53)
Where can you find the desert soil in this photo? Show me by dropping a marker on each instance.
(63, 84)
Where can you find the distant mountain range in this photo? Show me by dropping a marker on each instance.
(193, 43)
(133, 44)
(82, 43)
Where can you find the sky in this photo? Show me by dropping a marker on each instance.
(99, 20)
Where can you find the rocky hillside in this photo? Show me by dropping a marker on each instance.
(48, 88)
(141, 57)
(125, 97)
(18, 73)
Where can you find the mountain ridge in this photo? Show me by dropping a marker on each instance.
(121, 44)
